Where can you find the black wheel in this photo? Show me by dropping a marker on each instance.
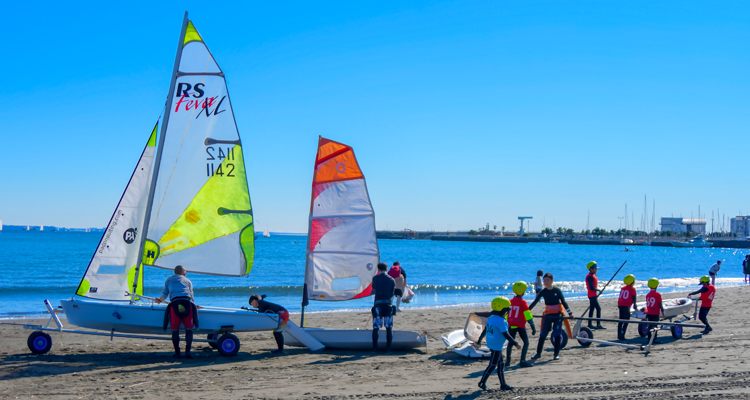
(39, 342)
(228, 345)
(643, 329)
(213, 336)
(564, 339)
(676, 331)
(586, 334)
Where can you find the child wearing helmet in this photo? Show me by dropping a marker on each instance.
(553, 313)
(626, 300)
(654, 307)
(517, 316)
(592, 286)
(497, 333)
(707, 293)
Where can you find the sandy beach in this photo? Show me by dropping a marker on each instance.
(90, 367)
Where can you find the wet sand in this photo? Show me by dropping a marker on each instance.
(93, 367)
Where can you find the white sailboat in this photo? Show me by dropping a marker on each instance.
(342, 248)
(186, 203)
(266, 233)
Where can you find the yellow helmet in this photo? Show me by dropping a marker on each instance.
(629, 279)
(653, 283)
(591, 264)
(500, 303)
(705, 279)
(519, 288)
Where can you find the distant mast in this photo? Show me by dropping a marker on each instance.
(266, 233)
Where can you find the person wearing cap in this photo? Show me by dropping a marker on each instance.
(497, 333)
(552, 320)
(263, 306)
(707, 293)
(592, 285)
(517, 316)
(384, 288)
(626, 300)
(654, 307)
(713, 271)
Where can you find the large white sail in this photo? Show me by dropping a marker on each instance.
(111, 271)
(201, 217)
(342, 248)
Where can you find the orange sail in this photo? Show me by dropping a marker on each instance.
(342, 249)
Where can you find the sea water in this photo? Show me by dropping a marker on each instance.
(49, 265)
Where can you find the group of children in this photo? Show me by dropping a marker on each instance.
(509, 317)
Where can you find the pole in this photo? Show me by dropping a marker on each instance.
(160, 149)
(605, 286)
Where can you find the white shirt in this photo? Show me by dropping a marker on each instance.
(714, 269)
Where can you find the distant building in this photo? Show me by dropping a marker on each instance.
(681, 225)
(740, 225)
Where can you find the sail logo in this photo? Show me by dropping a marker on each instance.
(369, 266)
(340, 167)
(129, 235)
(204, 105)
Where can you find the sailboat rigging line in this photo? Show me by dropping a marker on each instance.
(159, 150)
(187, 128)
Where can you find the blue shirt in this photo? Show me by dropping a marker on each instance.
(496, 325)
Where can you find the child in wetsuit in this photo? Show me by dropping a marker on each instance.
(517, 316)
(497, 333)
(707, 293)
(552, 320)
(654, 307)
(264, 306)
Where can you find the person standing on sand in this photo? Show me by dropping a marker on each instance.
(746, 268)
(539, 283)
(384, 288)
(263, 306)
(497, 333)
(399, 276)
(654, 308)
(552, 320)
(707, 293)
(592, 285)
(181, 309)
(517, 316)
(626, 300)
(713, 271)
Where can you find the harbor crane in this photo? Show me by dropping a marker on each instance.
(520, 233)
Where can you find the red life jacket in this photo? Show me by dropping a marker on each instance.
(592, 290)
(627, 293)
(708, 297)
(516, 314)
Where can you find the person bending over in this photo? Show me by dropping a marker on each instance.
(552, 321)
(626, 300)
(707, 293)
(497, 333)
(181, 310)
(399, 276)
(592, 285)
(263, 306)
(382, 311)
(713, 271)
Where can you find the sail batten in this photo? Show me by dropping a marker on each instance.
(342, 243)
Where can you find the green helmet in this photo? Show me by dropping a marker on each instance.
(591, 264)
(500, 303)
(653, 283)
(629, 279)
(705, 279)
(519, 288)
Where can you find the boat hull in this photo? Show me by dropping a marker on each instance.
(359, 339)
(123, 317)
(672, 308)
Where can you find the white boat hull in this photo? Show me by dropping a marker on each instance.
(356, 339)
(672, 308)
(123, 317)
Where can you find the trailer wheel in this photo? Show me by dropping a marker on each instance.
(229, 345)
(643, 329)
(564, 339)
(213, 336)
(39, 342)
(586, 334)
(676, 331)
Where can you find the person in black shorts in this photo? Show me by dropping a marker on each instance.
(552, 320)
(383, 286)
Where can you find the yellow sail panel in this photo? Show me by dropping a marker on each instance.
(191, 34)
(222, 207)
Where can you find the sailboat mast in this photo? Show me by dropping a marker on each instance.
(305, 301)
(159, 150)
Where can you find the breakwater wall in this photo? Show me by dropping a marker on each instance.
(732, 244)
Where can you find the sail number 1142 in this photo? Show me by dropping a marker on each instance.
(219, 154)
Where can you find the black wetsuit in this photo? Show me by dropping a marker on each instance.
(703, 313)
(383, 286)
(593, 300)
(550, 322)
(496, 357)
(264, 306)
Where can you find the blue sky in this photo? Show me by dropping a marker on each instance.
(460, 113)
